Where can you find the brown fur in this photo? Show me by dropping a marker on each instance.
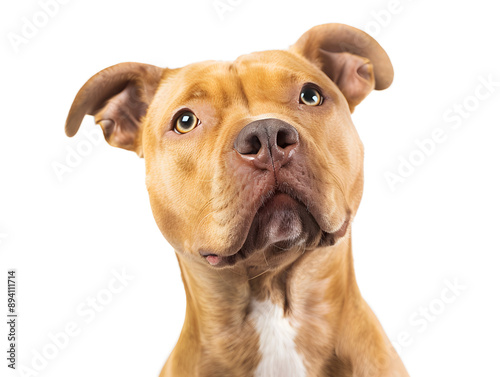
(204, 197)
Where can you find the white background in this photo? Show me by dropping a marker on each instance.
(65, 237)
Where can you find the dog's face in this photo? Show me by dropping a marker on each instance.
(262, 166)
(246, 159)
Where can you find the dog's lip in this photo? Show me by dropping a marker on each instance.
(217, 260)
(223, 260)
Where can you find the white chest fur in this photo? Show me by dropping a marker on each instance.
(277, 347)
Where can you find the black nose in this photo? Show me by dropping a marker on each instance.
(268, 142)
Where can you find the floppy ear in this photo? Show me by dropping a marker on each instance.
(350, 57)
(118, 98)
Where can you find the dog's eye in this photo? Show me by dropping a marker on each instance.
(311, 97)
(186, 122)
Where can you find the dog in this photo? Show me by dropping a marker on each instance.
(255, 172)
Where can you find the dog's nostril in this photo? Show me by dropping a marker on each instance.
(254, 145)
(284, 138)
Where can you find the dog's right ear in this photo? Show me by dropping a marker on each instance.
(118, 98)
(349, 57)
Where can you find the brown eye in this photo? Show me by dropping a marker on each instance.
(186, 122)
(311, 97)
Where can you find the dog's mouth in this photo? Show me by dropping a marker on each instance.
(282, 222)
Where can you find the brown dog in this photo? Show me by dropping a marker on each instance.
(255, 173)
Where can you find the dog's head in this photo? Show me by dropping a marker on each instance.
(259, 154)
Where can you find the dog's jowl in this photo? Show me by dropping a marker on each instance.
(255, 172)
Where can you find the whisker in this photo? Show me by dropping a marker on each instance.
(204, 217)
(262, 273)
(222, 278)
(264, 254)
(281, 248)
(340, 184)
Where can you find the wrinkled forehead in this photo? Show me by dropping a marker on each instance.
(258, 74)
(276, 66)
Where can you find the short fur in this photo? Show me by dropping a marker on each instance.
(208, 199)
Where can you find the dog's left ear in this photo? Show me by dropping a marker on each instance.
(349, 57)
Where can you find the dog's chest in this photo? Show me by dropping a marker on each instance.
(279, 356)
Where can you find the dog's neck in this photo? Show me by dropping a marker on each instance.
(220, 326)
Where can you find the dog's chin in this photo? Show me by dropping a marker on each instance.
(282, 224)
